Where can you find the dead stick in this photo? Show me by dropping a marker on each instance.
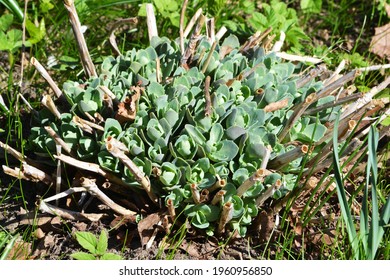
(138, 174)
(195, 37)
(258, 176)
(195, 193)
(47, 77)
(209, 56)
(58, 140)
(151, 22)
(297, 114)
(284, 159)
(207, 110)
(192, 22)
(93, 167)
(182, 16)
(339, 102)
(93, 189)
(67, 214)
(226, 216)
(361, 102)
(272, 107)
(86, 60)
(268, 193)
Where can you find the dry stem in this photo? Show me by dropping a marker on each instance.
(195, 193)
(226, 216)
(58, 140)
(46, 76)
(258, 176)
(195, 37)
(268, 193)
(151, 22)
(192, 22)
(86, 60)
(49, 104)
(138, 174)
(181, 30)
(207, 110)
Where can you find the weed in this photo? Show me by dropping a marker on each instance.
(96, 247)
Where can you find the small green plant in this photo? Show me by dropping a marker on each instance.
(280, 17)
(372, 225)
(311, 6)
(97, 247)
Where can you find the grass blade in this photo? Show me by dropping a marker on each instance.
(346, 213)
(372, 173)
(14, 7)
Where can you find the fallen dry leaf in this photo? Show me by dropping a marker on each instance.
(20, 251)
(380, 42)
(146, 227)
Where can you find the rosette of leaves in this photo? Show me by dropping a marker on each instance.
(173, 140)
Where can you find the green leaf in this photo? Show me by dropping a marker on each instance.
(46, 5)
(36, 33)
(102, 243)
(311, 6)
(6, 21)
(112, 127)
(87, 240)
(83, 256)
(107, 161)
(195, 134)
(111, 256)
(345, 211)
(226, 150)
(216, 133)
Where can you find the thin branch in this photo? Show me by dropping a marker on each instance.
(292, 57)
(118, 23)
(272, 107)
(47, 77)
(138, 174)
(226, 216)
(328, 105)
(182, 16)
(67, 214)
(207, 110)
(209, 56)
(58, 175)
(48, 102)
(279, 44)
(91, 187)
(195, 193)
(335, 74)
(258, 176)
(171, 210)
(282, 160)
(151, 22)
(221, 32)
(86, 60)
(192, 22)
(195, 37)
(29, 173)
(58, 140)
(268, 193)
(211, 28)
(218, 197)
(297, 114)
(93, 167)
(361, 102)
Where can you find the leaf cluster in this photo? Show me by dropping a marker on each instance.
(174, 140)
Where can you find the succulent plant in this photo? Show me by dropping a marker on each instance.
(211, 131)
